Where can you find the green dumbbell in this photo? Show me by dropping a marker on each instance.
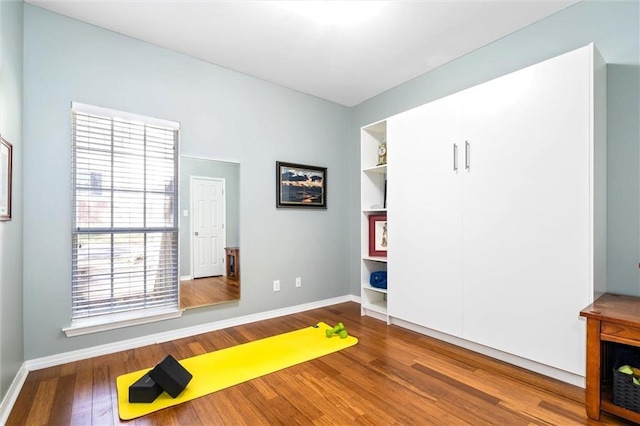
(339, 330)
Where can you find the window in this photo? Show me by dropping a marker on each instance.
(125, 229)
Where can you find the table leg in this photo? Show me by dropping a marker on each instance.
(594, 354)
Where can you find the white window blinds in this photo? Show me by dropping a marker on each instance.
(125, 229)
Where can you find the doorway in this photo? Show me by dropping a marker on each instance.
(208, 237)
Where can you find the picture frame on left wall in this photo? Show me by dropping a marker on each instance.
(6, 163)
(300, 185)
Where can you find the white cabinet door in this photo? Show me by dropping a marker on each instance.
(425, 216)
(527, 267)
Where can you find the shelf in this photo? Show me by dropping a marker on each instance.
(382, 169)
(373, 183)
(377, 130)
(380, 307)
(606, 401)
(367, 211)
(611, 408)
(375, 259)
(377, 290)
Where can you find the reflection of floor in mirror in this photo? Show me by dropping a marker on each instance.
(207, 291)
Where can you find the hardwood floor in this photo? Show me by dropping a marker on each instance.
(391, 377)
(208, 291)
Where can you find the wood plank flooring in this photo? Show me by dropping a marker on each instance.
(208, 291)
(391, 377)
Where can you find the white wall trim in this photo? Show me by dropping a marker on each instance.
(108, 112)
(377, 315)
(12, 394)
(81, 327)
(186, 278)
(50, 361)
(63, 358)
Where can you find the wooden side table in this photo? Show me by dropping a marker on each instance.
(233, 262)
(611, 318)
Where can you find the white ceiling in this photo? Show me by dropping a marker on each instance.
(389, 42)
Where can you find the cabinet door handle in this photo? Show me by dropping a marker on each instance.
(455, 157)
(467, 155)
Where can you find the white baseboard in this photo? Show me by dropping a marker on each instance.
(186, 278)
(377, 315)
(35, 364)
(50, 361)
(63, 358)
(12, 394)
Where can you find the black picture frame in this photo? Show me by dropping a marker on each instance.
(300, 186)
(6, 164)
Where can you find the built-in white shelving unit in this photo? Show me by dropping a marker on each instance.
(373, 203)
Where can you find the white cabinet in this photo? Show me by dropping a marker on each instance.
(373, 203)
(425, 195)
(528, 211)
(505, 249)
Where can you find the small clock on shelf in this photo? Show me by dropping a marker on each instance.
(382, 154)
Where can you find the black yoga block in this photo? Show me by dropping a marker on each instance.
(145, 389)
(171, 376)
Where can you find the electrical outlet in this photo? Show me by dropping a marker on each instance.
(298, 282)
(276, 285)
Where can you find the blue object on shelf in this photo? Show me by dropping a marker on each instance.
(378, 279)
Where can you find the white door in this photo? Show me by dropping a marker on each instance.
(425, 215)
(526, 212)
(207, 226)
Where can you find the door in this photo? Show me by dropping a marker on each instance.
(526, 212)
(425, 215)
(207, 226)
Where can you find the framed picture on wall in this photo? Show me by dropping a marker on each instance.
(299, 185)
(378, 236)
(6, 162)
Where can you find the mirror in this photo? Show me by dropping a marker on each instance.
(209, 232)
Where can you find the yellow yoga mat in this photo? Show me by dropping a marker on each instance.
(221, 369)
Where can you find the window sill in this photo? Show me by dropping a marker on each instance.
(112, 322)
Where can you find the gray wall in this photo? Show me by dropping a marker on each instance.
(223, 115)
(613, 27)
(11, 332)
(208, 168)
(231, 116)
